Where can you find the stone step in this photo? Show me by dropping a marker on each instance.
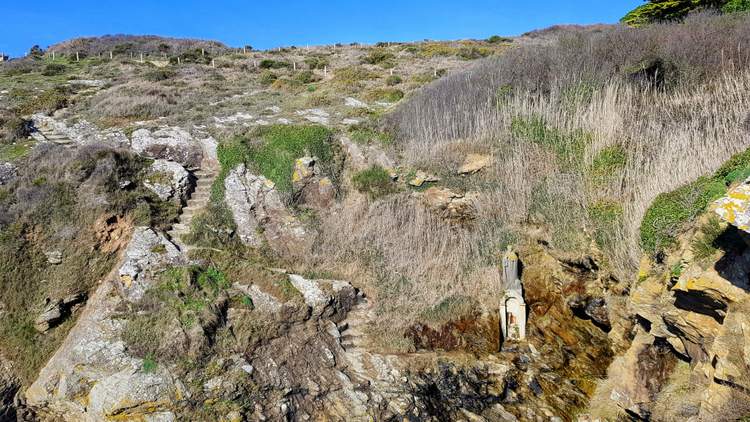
(181, 227)
(204, 182)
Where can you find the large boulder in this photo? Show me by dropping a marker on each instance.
(168, 180)
(261, 216)
(312, 189)
(168, 143)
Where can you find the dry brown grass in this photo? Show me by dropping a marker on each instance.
(543, 173)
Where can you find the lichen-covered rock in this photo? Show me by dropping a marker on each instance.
(146, 251)
(474, 163)
(168, 143)
(261, 216)
(168, 180)
(449, 204)
(734, 207)
(420, 178)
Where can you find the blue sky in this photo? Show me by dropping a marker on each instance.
(268, 23)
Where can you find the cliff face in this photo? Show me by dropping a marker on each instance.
(691, 326)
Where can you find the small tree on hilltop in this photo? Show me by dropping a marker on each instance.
(670, 10)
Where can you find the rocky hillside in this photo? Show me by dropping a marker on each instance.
(317, 233)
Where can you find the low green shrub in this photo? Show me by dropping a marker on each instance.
(306, 77)
(316, 62)
(47, 102)
(54, 69)
(734, 6)
(473, 52)
(273, 64)
(377, 56)
(160, 74)
(393, 80)
(497, 39)
(670, 211)
(704, 244)
(607, 220)
(267, 78)
(607, 163)
(374, 181)
(389, 95)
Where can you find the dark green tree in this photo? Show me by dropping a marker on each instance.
(670, 10)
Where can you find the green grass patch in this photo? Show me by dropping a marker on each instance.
(282, 144)
(607, 163)
(704, 244)
(374, 181)
(12, 152)
(365, 135)
(388, 95)
(568, 146)
(672, 211)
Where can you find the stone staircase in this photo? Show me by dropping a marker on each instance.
(352, 328)
(55, 137)
(198, 200)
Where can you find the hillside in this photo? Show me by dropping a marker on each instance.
(542, 228)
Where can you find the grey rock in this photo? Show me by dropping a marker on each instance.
(168, 180)
(54, 257)
(256, 206)
(147, 250)
(168, 143)
(8, 172)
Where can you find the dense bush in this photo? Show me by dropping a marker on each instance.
(13, 127)
(377, 56)
(54, 69)
(670, 10)
(374, 181)
(389, 95)
(47, 102)
(160, 74)
(273, 64)
(393, 80)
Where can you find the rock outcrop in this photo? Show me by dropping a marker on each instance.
(312, 189)
(80, 133)
(168, 143)
(8, 172)
(168, 180)
(146, 251)
(91, 377)
(690, 310)
(260, 215)
(449, 204)
(474, 163)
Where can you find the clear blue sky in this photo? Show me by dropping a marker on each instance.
(268, 23)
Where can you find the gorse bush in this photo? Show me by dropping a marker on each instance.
(374, 181)
(160, 74)
(54, 69)
(389, 95)
(46, 102)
